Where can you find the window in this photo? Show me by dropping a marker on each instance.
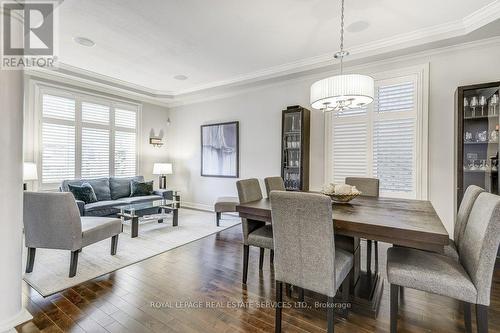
(382, 140)
(85, 137)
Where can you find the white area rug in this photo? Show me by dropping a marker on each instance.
(50, 273)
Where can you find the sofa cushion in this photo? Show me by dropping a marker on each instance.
(144, 198)
(103, 208)
(138, 189)
(120, 186)
(101, 188)
(84, 192)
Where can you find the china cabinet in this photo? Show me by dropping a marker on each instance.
(478, 110)
(295, 148)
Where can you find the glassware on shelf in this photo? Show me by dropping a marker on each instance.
(494, 103)
(473, 104)
(466, 105)
(482, 103)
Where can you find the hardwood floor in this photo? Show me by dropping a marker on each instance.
(162, 294)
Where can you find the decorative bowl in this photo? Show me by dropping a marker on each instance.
(343, 198)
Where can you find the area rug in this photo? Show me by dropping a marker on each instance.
(50, 273)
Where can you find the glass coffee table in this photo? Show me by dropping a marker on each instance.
(136, 210)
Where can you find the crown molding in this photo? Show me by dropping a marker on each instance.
(368, 67)
(400, 42)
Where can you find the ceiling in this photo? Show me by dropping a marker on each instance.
(145, 44)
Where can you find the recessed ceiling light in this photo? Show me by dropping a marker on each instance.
(84, 41)
(181, 77)
(358, 26)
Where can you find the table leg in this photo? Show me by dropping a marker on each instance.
(135, 227)
(161, 212)
(175, 220)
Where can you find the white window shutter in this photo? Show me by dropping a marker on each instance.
(125, 118)
(57, 107)
(349, 150)
(58, 152)
(125, 154)
(393, 161)
(95, 152)
(95, 113)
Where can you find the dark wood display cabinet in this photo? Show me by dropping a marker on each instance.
(478, 111)
(295, 133)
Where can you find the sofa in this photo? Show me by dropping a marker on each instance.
(110, 192)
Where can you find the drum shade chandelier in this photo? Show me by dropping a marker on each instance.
(345, 91)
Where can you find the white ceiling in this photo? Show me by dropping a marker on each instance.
(144, 44)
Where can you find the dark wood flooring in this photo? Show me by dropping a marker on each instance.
(162, 294)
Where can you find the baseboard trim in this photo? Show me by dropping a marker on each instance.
(22, 317)
(198, 206)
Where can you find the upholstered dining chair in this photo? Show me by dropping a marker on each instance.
(369, 187)
(468, 200)
(305, 253)
(467, 280)
(255, 233)
(52, 221)
(274, 184)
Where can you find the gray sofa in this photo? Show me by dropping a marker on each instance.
(111, 192)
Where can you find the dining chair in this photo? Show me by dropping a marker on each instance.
(53, 221)
(468, 200)
(274, 184)
(255, 233)
(467, 280)
(369, 187)
(305, 253)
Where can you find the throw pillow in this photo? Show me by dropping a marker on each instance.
(85, 192)
(140, 188)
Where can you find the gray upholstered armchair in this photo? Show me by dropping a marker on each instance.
(52, 220)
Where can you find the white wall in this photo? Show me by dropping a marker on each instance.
(259, 113)
(153, 122)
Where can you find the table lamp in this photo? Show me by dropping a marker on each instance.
(29, 173)
(162, 169)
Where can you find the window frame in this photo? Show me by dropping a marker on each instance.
(420, 75)
(80, 97)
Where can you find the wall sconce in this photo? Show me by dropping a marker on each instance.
(156, 142)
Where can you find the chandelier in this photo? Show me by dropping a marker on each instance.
(345, 91)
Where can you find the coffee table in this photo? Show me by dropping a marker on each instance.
(134, 211)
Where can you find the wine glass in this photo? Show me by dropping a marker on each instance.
(473, 104)
(466, 105)
(494, 102)
(482, 103)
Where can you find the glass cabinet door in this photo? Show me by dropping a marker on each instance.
(292, 150)
(480, 137)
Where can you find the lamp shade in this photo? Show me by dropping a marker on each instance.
(162, 169)
(29, 171)
(342, 92)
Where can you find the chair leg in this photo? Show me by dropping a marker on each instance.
(301, 295)
(394, 308)
(261, 258)
(271, 257)
(279, 306)
(482, 318)
(30, 262)
(114, 244)
(246, 250)
(368, 256)
(375, 243)
(330, 315)
(73, 263)
(467, 317)
(217, 217)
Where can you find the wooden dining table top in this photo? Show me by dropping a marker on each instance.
(404, 222)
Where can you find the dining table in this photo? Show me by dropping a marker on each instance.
(400, 222)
